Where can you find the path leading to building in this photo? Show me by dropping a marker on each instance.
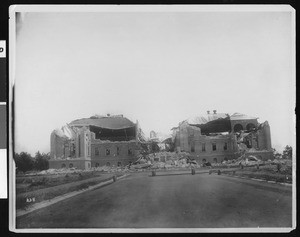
(174, 201)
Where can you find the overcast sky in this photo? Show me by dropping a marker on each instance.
(155, 67)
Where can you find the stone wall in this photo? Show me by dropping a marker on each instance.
(113, 153)
(70, 163)
(60, 147)
(264, 137)
(214, 157)
(243, 123)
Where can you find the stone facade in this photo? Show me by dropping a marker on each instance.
(117, 153)
(76, 145)
(70, 163)
(245, 136)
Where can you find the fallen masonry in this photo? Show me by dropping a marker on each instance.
(218, 137)
(114, 142)
(96, 141)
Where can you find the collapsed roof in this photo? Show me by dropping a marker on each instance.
(216, 122)
(113, 128)
(203, 119)
(216, 126)
(110, 127)
(65, 132)
(109, 122)
(238, 116)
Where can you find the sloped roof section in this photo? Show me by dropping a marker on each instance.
(239, 116)
(109, 122)
(60, 133)
(216, 126)
(68, 131)
(203, 119)
(65, 132)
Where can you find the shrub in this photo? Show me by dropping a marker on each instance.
(24, 162)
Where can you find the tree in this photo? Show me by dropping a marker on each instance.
(276, 154)
(24, 161)
(41, 161)
(287, 152)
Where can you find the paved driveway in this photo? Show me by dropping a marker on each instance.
(172, 201)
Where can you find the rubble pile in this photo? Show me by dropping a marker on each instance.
(56, 171)
(169, 160)
(242, 160)
(175, 160)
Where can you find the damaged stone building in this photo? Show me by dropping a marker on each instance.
(96, 141)
(216, 137)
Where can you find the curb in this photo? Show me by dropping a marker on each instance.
(259, 180)
(57, 199)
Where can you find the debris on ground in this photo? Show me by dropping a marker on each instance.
(175, 160)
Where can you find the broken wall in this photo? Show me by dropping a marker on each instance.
(185, 136)
(83, 143)
(243, 123)
(259, 139)
(264, 137)
(60, 147)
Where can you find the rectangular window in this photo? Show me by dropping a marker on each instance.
(214, 146)
(225, 146)
(88, 149)
(107, 152)
(79, 145)
(97, 152)
(73, 150)
(129, 151)
(192, 147)
(203, 146)
(118, 150)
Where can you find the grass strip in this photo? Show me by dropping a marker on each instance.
(25, 200)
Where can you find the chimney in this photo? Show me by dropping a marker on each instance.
(215, 111)
(208, 111)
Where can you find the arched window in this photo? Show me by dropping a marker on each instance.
(237, 128)
(119, 163)
(63, 165)
(203, 160)
(215, 160)
(97, 165)
(70, 165)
